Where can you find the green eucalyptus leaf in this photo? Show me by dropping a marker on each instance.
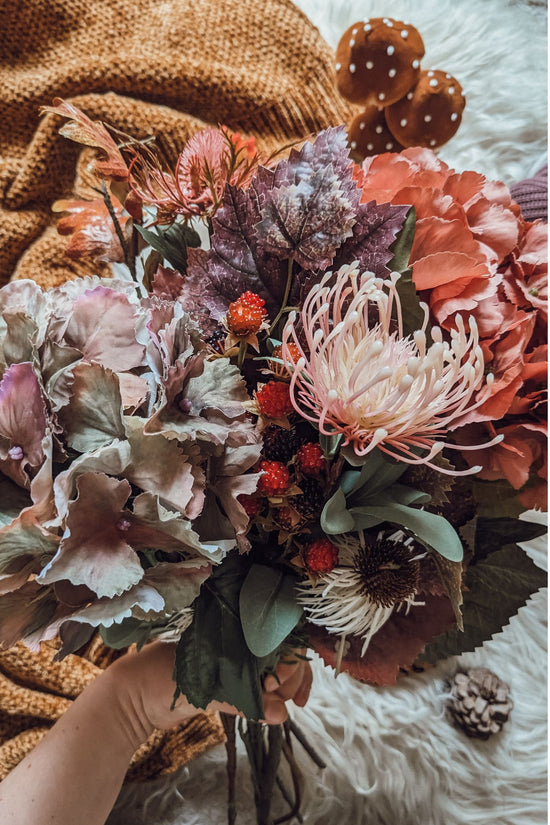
(432, 530)
(496, 588)
(336, 518)
(125, 633)
(172, 242)
(268, 608)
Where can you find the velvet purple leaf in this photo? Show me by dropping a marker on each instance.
(376, 229)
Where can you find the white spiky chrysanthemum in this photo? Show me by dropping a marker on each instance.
(340, 601)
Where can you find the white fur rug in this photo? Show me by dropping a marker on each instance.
(392, 756)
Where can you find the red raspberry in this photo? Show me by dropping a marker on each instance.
(274, 399)
(275, 478)
(279, 369)
(252, 299)
(310, 459)
(321, 556)
(252, 504)
(243, 320)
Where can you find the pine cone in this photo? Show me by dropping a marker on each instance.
(480, 702)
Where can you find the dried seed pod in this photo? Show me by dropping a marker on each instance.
(480, 702)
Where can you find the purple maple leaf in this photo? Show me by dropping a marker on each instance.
(376, 229)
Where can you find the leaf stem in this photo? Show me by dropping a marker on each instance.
(285, 296)
(129, 257)
(228, 721)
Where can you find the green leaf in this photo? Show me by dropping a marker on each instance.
(401, 247)
(494, 533)
(213, 660)
(128, 632)
(432, 530)
(450, 573)
(172, 243)
(268, 607)
(496, 589)
(495, 499)
(330, 444)
(335, 518)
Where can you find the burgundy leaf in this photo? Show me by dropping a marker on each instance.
(376, 229)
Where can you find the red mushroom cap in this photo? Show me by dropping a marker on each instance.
(430, 113)
(378, 61)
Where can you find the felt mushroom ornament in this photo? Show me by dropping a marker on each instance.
(378, 66)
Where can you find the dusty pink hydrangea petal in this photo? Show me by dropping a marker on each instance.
(23, 610)
(110, 460)
(434, 235)
(385, 175)
(152, 525)
(232, 480)
(133, 391)
(178, 583)
(162, 467)
(102, 326)
(495, 226)
(92, 417)
(22, 422)
(94, 550)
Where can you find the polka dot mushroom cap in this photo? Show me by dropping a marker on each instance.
(430, 113)
(378, 61)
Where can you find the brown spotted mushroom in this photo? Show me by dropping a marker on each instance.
(378, 61)
(368, 134)
(430, 113)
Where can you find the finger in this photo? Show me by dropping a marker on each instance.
(292, 684)
(302, 694)
(283, 672)
(275, 712)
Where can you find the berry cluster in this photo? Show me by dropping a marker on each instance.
(246, 315)
(321, 556)
(274, 399)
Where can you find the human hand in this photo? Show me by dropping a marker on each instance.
(144, 684)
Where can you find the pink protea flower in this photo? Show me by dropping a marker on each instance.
(368, 382)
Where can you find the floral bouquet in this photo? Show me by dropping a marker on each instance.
(305, 413)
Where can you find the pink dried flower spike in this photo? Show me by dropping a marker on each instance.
(368, 382)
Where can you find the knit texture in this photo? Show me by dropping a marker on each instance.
(532, 196)
(35, 691)
(146, 67)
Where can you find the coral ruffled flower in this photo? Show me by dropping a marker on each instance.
(363, 379)
(465, 226)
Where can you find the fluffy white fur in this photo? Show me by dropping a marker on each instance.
(393, 757)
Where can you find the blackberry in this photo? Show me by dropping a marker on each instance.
(217, 339)
(278, 444)
(310, 503)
